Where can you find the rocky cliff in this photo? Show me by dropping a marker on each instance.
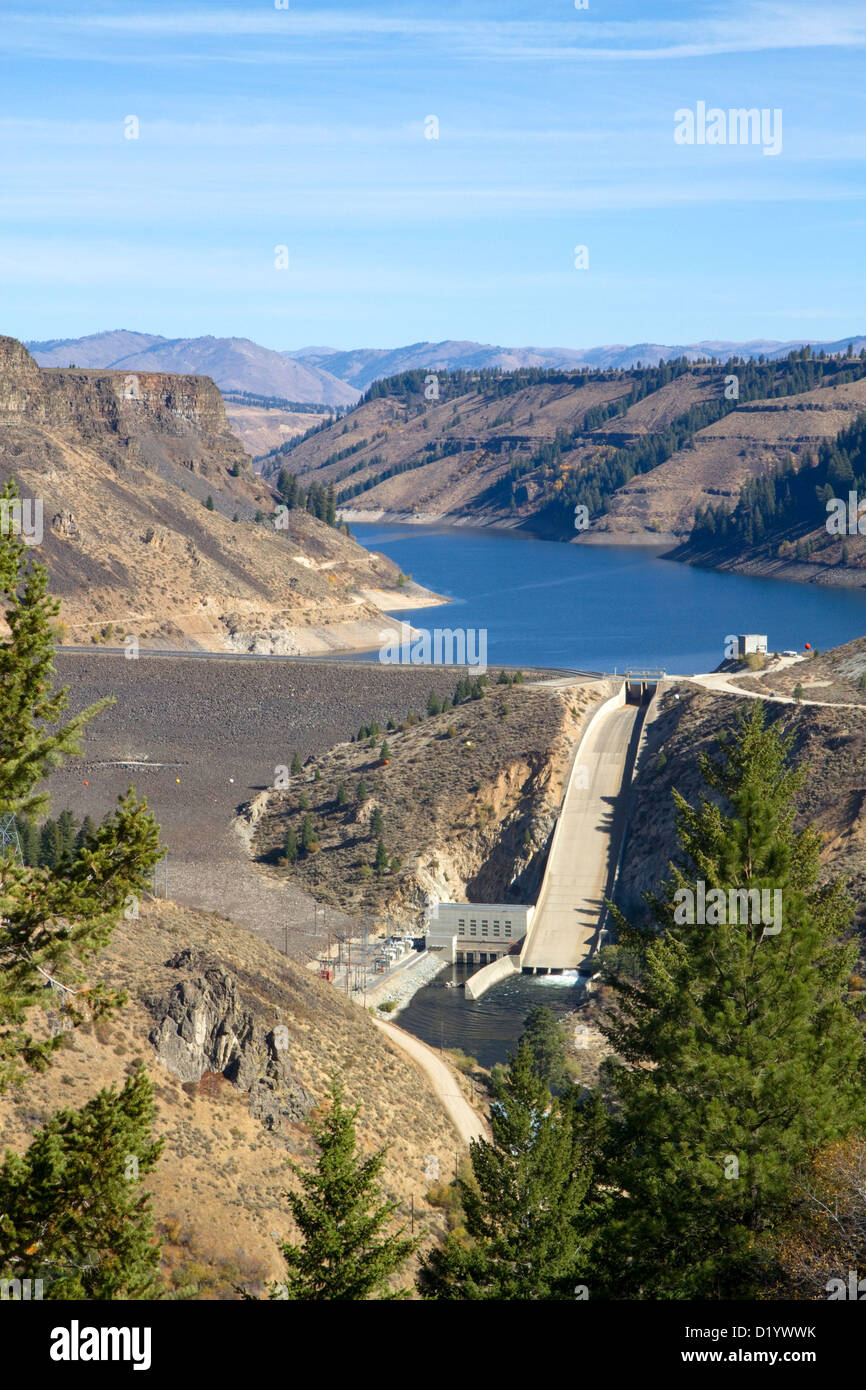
(154, 524)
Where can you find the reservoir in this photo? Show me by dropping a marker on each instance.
(604, 608)
(597, 608)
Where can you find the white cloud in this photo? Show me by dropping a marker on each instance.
(751, 26)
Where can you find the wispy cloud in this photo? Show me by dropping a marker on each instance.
(730, 29)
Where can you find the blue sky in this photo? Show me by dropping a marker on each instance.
(305, 127)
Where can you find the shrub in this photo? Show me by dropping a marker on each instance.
(462, 1060)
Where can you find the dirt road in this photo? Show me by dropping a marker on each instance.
(466, 1121)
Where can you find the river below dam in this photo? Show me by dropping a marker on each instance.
(603, 608)
(485, 1028)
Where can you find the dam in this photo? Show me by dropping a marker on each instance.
(563, 929)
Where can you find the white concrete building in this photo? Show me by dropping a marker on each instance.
(476, 933)
(750, 642)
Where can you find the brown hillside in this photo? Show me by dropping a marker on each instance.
(234, 1102)
(468, 799)
(749, 442)
(831, 743)
(123, 464)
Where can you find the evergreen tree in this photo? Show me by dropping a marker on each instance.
(86, 833)
(72, 1209)
(308, 836)
(342, 795)
(67, 831)
(291, 849)
(50, 922)
(28, 835)
(361, 794)
(381, 861)
(377, 822)
(385, 751)
(51, 846)
(296, 765)
(209, 503)
(344, 1252)
(739, 1053)
(434, 704)
(545, 1037)
(523, 1207)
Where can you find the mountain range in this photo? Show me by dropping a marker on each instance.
(234, 364)
(333, 376)
(360, 367)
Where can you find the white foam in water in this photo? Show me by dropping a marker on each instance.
(568, 979)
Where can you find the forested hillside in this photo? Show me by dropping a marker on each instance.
(642, 450)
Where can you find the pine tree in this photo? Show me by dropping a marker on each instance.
(381, 861)
(28, 834)
(524, 1205)
(342, 795)
(344, 1253)
(86, 833)
(209, 503)
(72, 1209)
(67, 830)
(361, 794)
(385, 752)
(309, 843)
(51, 921)
(377, 822)
(51, 847)
(296, 765)
(738, 1049)
(545, 1037)
(434, 704)
(291, 848)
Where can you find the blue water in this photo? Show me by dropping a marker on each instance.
(604, 608)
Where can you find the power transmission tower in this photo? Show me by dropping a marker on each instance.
(10, 839)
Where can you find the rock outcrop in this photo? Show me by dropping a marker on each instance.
(204, 1025)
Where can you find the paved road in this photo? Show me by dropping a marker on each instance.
(583, 860)
(466, 1121)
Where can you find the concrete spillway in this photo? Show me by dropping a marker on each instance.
(586, 846)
